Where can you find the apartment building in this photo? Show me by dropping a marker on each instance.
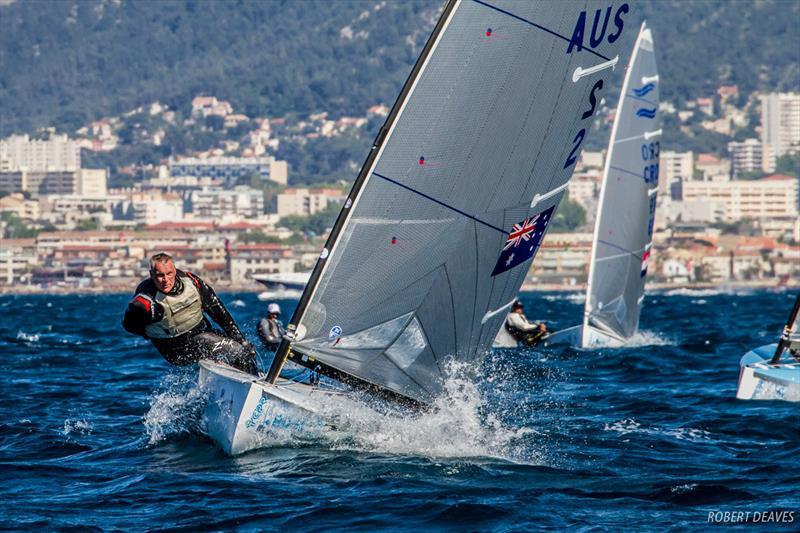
(780, 123)
(775, 196)
(303, 202)
(230, 170)
(218, 204)
(749, 156)
(674, 168)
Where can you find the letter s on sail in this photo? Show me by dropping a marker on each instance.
(618, 22)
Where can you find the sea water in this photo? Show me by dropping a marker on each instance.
(97, 431)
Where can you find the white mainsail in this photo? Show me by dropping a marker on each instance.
(456, 194)
(623, 233)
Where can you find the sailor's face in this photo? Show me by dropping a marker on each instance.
(163, 275)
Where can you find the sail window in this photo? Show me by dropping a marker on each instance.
(378, 336)
(408, 346)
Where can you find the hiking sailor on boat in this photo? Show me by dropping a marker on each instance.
(170, 308)
(518, 330)
(270, 329)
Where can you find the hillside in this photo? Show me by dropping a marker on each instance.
(79, 60)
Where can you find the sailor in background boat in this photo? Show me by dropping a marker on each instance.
(518, 330)
(270, 330)
(170, 307)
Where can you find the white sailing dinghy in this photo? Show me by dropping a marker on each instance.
(772, 372)
(623, 232)
(444, 218)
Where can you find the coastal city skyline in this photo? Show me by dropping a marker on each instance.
(230, 212)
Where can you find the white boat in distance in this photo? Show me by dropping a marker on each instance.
(623, 233)
(283, 286)
(445, 216)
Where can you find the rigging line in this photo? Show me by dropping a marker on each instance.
(626, 171)
(645, 100)
(620, 248)
(432, 199)
(526, 21)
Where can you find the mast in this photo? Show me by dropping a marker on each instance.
(284, 349)
(786, 335)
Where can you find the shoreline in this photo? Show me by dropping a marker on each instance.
(528, 287)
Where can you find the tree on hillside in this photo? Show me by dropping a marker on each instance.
(569, 216)
(788, 164)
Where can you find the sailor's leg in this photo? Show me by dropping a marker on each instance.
(224, 350)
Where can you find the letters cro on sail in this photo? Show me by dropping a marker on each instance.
(489, 121)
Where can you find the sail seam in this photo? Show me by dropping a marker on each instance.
(625, 171)
(432, 199)
(531, 23)
(645, 100)
(620, 248)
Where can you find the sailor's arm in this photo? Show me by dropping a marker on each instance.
(141, 312)
(216, 309)
(519, 322)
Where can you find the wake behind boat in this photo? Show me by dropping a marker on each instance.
(448, 211)
(772, 372)
(623, 233)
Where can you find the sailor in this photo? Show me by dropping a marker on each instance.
(270, 330)
(518, 330)
(170, 308)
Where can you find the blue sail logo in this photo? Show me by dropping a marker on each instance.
(644, 90)
(646, 113)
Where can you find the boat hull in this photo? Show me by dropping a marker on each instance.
(759, 380)
(243, 413)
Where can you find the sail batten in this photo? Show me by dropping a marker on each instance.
(626, 208)
(450, 208)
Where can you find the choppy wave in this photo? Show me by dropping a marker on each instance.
(175, 408)
(631, 426)
(577, 297)
(530, 439)
(458, 424)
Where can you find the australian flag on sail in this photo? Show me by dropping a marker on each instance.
(523, 241)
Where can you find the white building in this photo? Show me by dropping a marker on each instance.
(775, 196)
(56, 154)
(747, 156)
(17, 204)
(92, 182)
(584, 188)
(230, 169)
(780, 122)
(250, 260)
(305, 202)
(17, 258)
(217, 204)
(674, 167)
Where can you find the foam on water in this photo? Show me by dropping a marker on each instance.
(175, 407)
(459, 423)
(577, 297)
(648, 338)
(631, 426)
(77, 427)
(28, 337)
